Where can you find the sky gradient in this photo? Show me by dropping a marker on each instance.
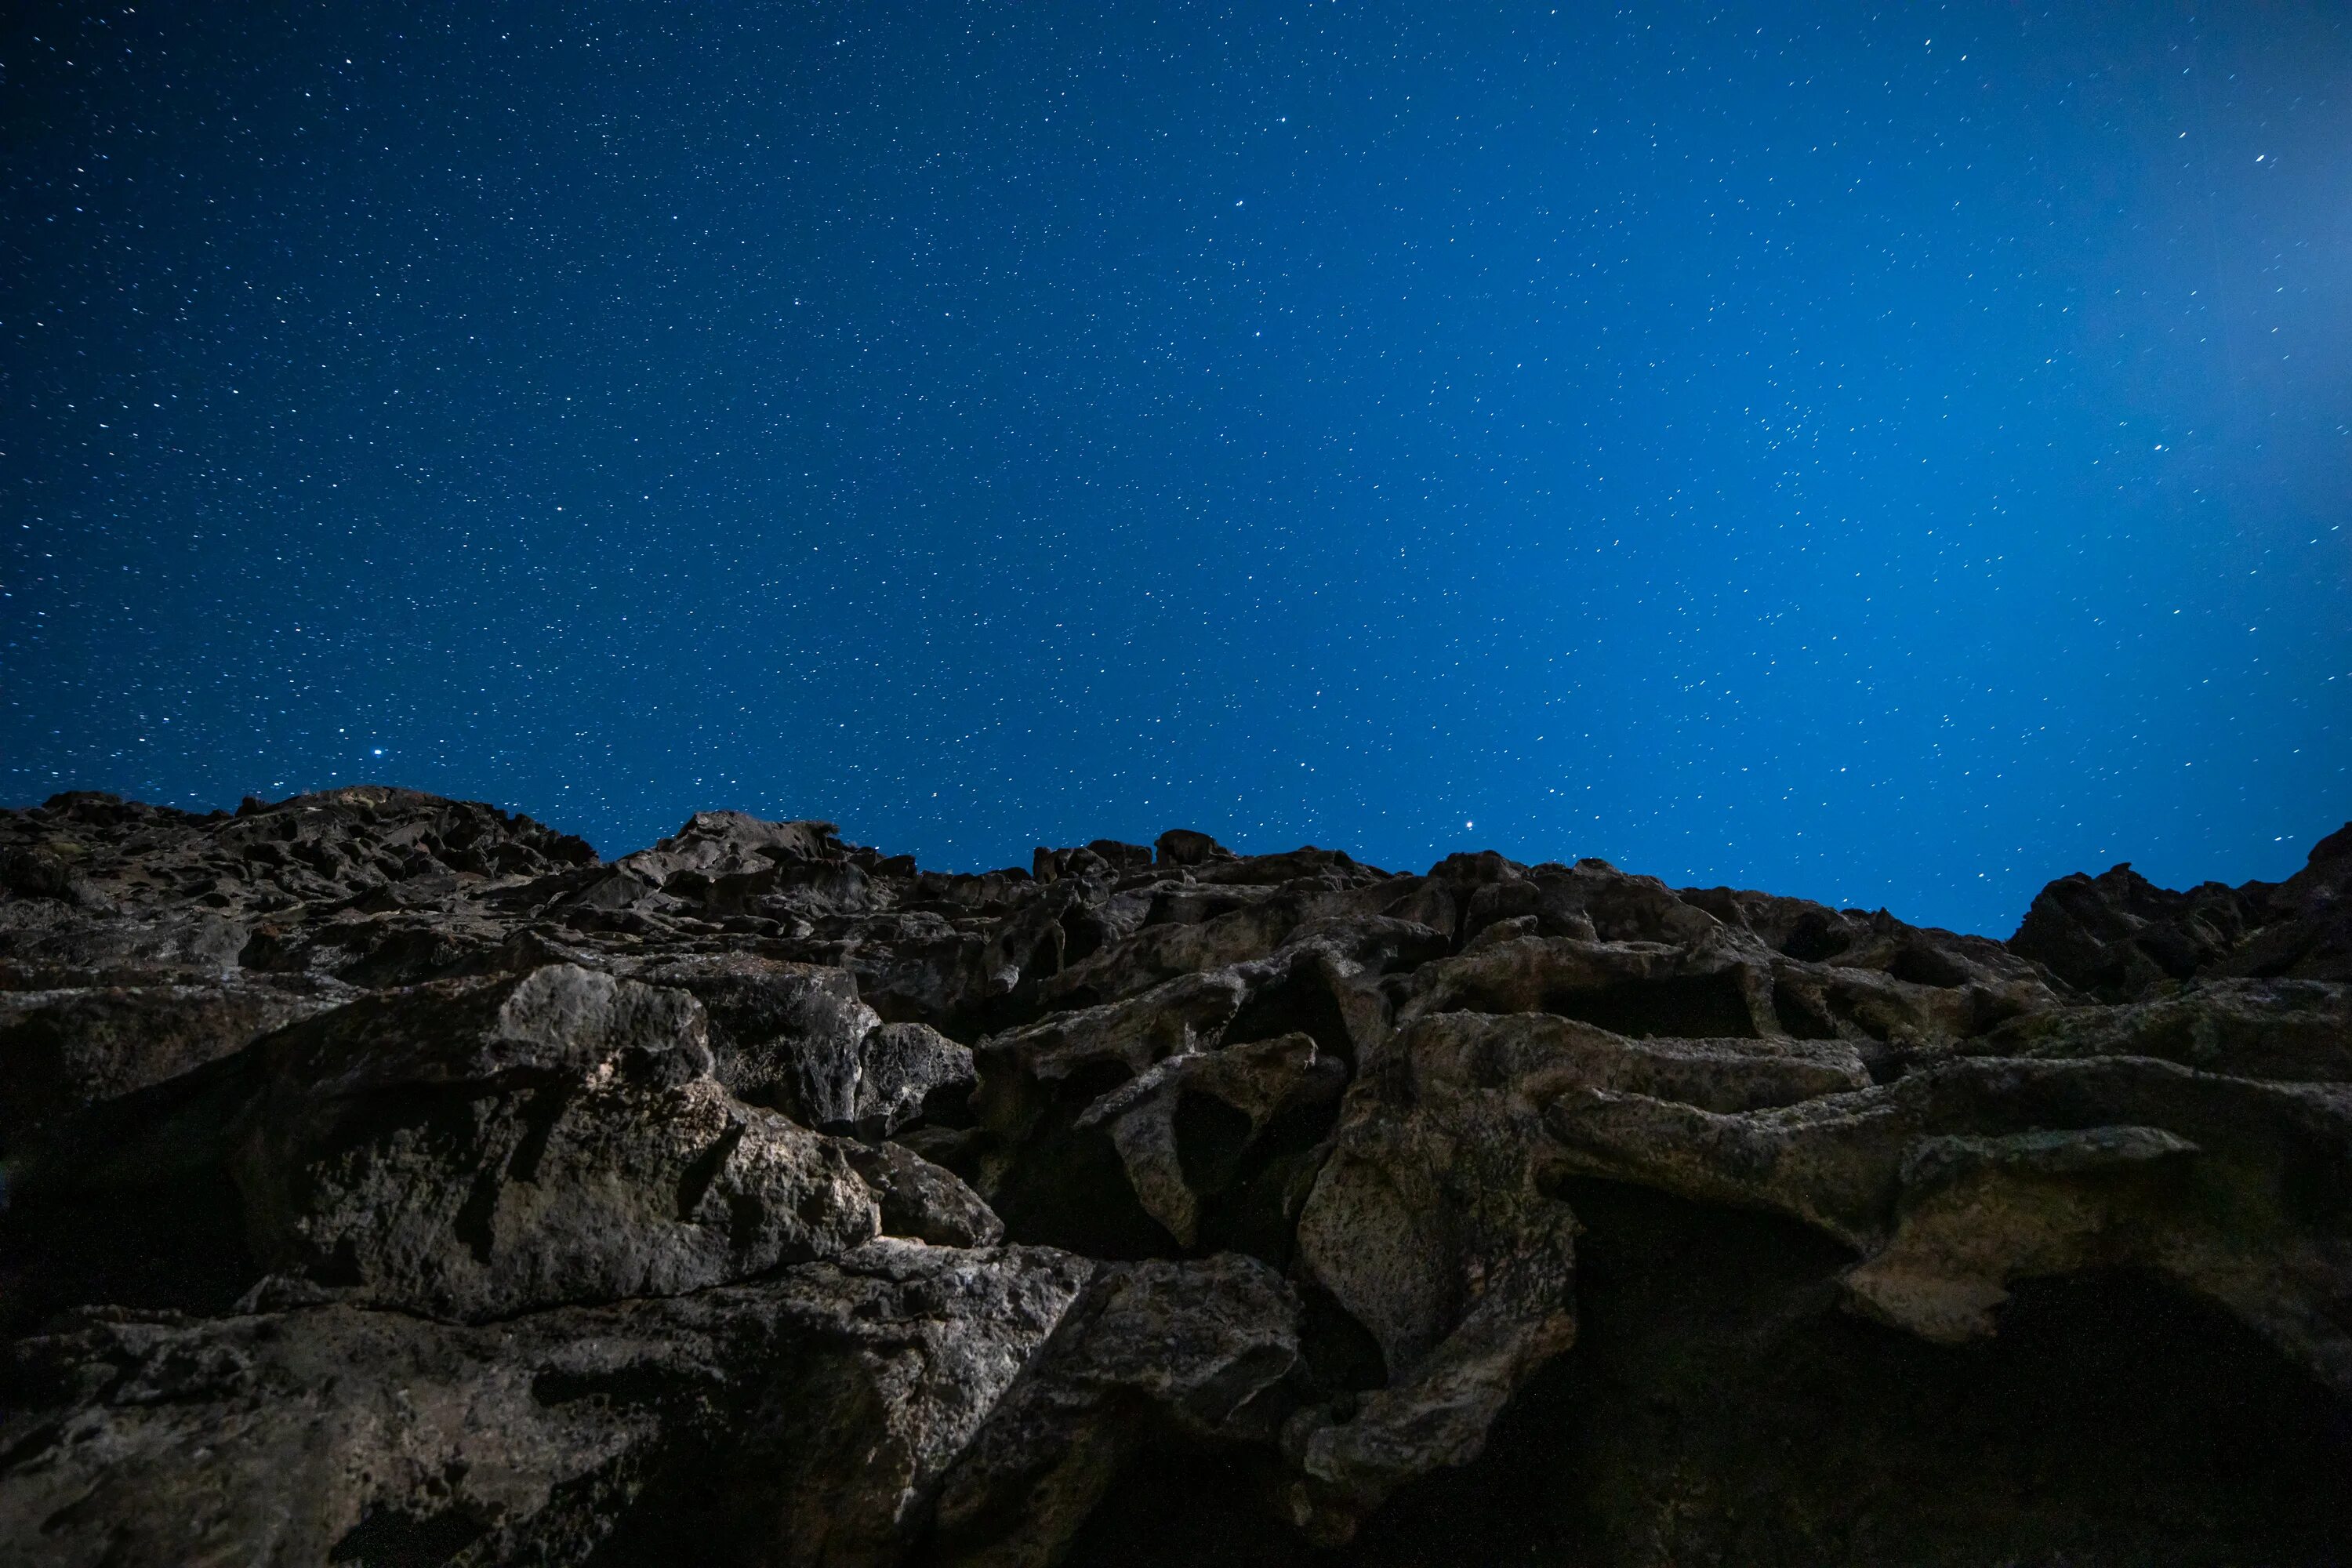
(1894, 455)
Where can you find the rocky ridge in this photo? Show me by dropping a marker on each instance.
(390, 1180)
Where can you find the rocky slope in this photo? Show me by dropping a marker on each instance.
(391, 1181)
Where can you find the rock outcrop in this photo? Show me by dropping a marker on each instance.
(390, 1180)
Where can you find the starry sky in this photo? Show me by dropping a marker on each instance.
(1894, 454)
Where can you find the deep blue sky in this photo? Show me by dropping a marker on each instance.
(1892, 454)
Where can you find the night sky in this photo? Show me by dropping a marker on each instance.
(1896, 455)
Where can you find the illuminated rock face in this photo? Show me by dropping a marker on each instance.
(391, 1180)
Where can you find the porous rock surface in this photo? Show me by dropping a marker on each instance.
(390, 1180)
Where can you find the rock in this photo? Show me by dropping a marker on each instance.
(474, 1150)
(48, 946)
(1957, 1178)
(727, 863)
(2120, 937)
(2116, 935)
(2246, 1028)
(1182, 847)
(1432, 1227)
(918, 1199)
(1154, 1350)
(795, 1036)
(64, 1051)
(389, 1179)
(1105, 861)
(806, 1420)
(1130, 1036)
(900, 1068)
(2305, 930)
(1976, 1213)
(1256, 1083)
(783, 1035)
(308, 850)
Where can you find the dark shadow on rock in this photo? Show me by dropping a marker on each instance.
(1693, 1007)
(1072, 1190)
(1718, 1408)
(130, 1204)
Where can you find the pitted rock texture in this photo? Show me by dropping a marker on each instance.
(390, 1180)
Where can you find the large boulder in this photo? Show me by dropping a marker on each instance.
(470, 1150)
(807, 1420)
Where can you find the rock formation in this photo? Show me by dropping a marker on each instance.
(390, 1180)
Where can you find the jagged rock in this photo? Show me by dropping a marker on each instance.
(1170, 948)
(727, 863)
(1256, 1083)
(2118, 934)
(1977, 1213)
(64, 1051)
(807, 1420)
(1198, 1351)
(901, 1067)
(1961, 1176)
(45, 945)
(471, 1150)
(308, 850)
(1706, 988)
(918, 1199)
(2119, 937)
(1182, 847)
(1206, 1099)
(2306, 927)
(2246, 1028)
(1104, 859)
(418, 1186)
(795, 1036)
(1435, 1226)
(783, 1035)
(1130, 1036)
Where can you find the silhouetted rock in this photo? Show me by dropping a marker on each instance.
(2119, 937)
(389, 1179)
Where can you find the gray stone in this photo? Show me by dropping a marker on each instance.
(806, 1420)
(472, 1150)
